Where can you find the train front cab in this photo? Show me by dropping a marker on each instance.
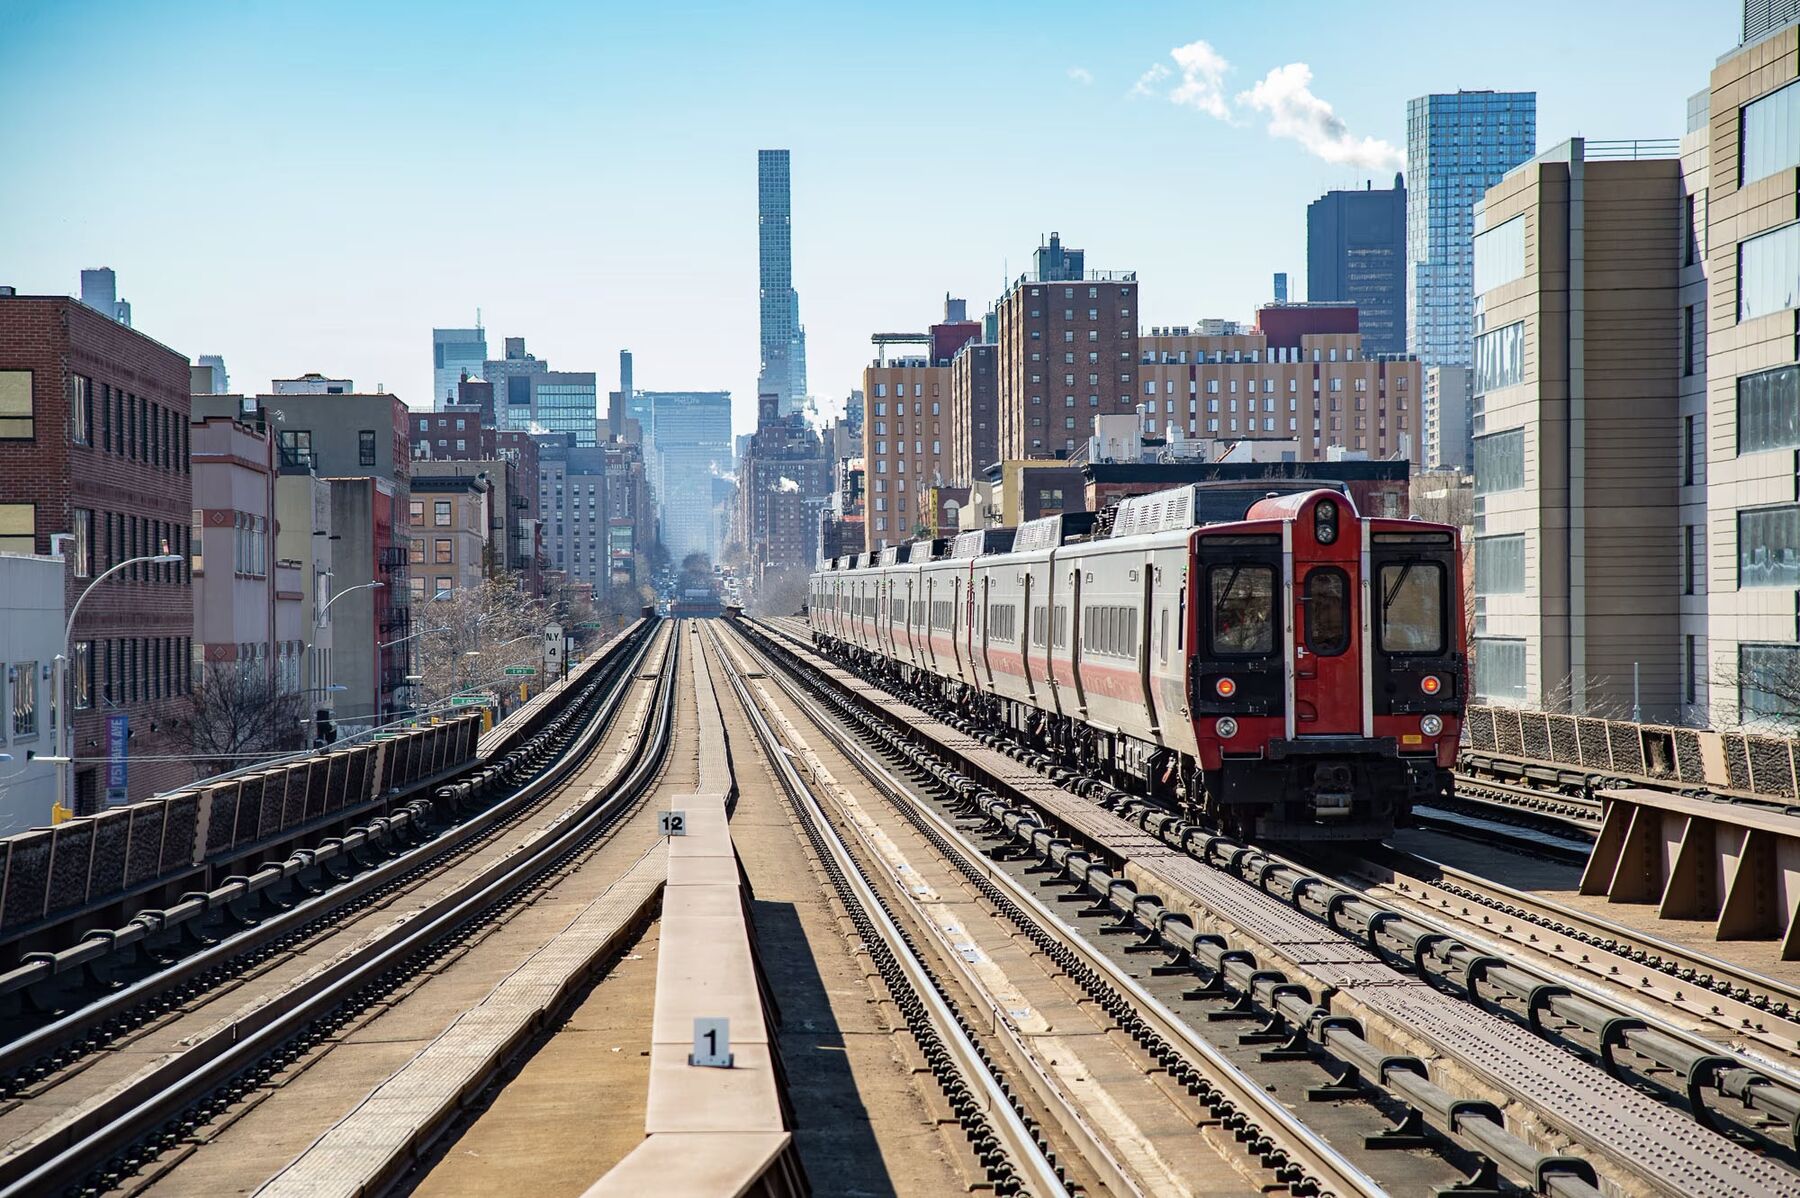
(1327, 675)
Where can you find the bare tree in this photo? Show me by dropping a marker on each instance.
(472, 634)
(1769, 685)
(237, 711)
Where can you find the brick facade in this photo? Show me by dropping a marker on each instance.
(127, 474)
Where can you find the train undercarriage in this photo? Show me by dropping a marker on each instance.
(1336, 790)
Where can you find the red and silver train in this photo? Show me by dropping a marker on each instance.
(1276, 665)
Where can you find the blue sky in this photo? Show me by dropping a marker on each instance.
(313, 186)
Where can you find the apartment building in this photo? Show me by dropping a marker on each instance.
(1447, 408)
(452, 524)
(905, 442)
(94, 448)
(1742, 229)
(247, 597)
(1298, 374)
(974, 431)
(1577, 431)
(1067, 341)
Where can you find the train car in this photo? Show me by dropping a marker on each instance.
(1272, 662)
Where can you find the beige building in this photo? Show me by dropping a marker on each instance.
(450, 521)
(1301, 376)
(1575, 425)
(905, 443)
(1742, 228)
(1447, 408)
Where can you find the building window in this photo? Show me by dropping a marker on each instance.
(1500, 565)
(417, 554)
(1769, 547)
(1767, 677)
(81, 409)
(1687, 340)
(84, 543)
(1499, 255)
(1500, 358)
(441, 513)
(1692, 254)
(1499, 669)
(1769, 138)
(1692, 657)
(1691, 449)
(443, 551)
(1500, 462)
(1690, 559)
(365, 447)
(18, 528)
(445, 583)
(81, 676)
(24, 679)
(415, 511)
(17, 416)
(1768, 410)
(1768, 272)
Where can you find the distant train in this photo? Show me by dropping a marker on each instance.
(1272, 663)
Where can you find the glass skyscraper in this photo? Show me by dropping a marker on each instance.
(452, 352)
(1356, 253)
(1457, 146)
(687, 442)
(783, 340)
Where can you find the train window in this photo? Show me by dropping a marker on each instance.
(1162, 634)
(1327, 611)
(1412, 607)
(1243, 609)
(1061, 631)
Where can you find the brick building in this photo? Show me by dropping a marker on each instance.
(451, 521)
(1067, 342)
(974, 432)
(94, 445)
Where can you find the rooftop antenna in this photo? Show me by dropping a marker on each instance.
(477, 317)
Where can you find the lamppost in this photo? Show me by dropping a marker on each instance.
(319, 622)
(63, 709)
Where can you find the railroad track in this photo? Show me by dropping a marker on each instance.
(1478, 1018)
(103, 1115)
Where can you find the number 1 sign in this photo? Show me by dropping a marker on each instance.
(712, 1044)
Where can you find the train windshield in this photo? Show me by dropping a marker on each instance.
(1412, 607)
(1243, 609)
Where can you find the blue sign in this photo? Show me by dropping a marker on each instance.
(118, 739)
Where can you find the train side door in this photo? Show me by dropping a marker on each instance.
(1077, 629)
(1328, 683)
(1024, 628)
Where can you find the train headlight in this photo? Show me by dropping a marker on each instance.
(1431, 725)
(1225, 688)
(1431, 684)
(1325, 522)
(1226, 728)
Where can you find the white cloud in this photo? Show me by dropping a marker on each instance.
(1285, 96)
(1081, 75)
(1147, 82)
(1202, 83)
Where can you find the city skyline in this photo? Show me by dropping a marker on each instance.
(362, 267)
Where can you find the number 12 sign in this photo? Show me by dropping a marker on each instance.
(712, 1044)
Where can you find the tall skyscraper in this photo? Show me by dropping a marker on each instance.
(783, 340)
(1281, 288)
(687, 444)
(1356, 253)
(452, 352)
(1457, 146)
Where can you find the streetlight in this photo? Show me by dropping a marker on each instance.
(64, 738)
(319, 622)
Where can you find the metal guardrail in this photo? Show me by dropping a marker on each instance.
(1740, 763)
(47, 874)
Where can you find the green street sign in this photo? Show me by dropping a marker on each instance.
(588, 624)
(470, 700)
(521, 671)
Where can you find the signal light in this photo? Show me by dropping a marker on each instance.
(1431, 684)
(1325, 522)
(1225, 688)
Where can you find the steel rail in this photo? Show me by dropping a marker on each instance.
(1322, 1165)
(19, 1054)
(94, 1134)
(1034, 1168)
